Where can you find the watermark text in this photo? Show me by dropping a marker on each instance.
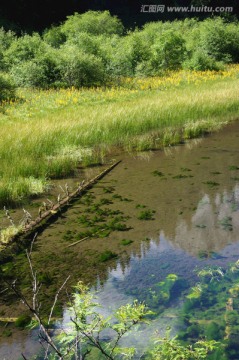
(185, 9)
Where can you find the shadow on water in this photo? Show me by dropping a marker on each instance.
(158, 213)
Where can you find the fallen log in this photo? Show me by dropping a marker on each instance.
(56, 208)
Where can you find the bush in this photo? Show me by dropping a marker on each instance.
(92, 22)
(220, 40)
(54, 36)
(6, 38)
(7, 88)
(79, 69)
(201, 61)
(169, 51)
(24, 48)
(29, 74)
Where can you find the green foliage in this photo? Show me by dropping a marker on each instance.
(7, 87)
(220, 40)
(171, 349)
(201, 61)
(6, 38)
(30, 74)
(87, 324)
(54, 36)
(92, 22)
(80, 69)
(24, 48)
(168, 51)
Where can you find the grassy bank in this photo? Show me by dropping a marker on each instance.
(47, 134)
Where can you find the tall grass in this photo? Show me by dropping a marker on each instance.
(47, 134)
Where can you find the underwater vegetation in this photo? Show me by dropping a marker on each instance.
(211, 310)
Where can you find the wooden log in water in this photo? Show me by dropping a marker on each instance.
(80, 190)
(55, 208)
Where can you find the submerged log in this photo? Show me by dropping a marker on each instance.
(61, 204)
(65, 201)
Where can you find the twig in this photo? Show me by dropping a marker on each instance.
(77, 242)
(56, 297)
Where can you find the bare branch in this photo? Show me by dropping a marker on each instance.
(56, 297)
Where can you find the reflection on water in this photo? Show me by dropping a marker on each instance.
(194, 191)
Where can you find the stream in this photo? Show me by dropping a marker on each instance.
(157, 213)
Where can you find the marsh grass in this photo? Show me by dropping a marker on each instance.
(48, 134)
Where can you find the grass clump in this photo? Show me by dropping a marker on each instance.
(107, 255)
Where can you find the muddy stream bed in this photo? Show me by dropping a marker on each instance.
(156, 213)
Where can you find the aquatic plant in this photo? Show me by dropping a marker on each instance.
(107, 255)
(211, 183)
(126, 242)
(146, 215)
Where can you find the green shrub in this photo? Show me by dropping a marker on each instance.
(92, 22)
(6, 38)
(7, 87)
(169, 51)
(30, 74)
(201, 61)
(79, 69)
(220, 40)
(24, 48)
(54, 36)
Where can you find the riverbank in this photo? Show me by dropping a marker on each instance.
(66, 129)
